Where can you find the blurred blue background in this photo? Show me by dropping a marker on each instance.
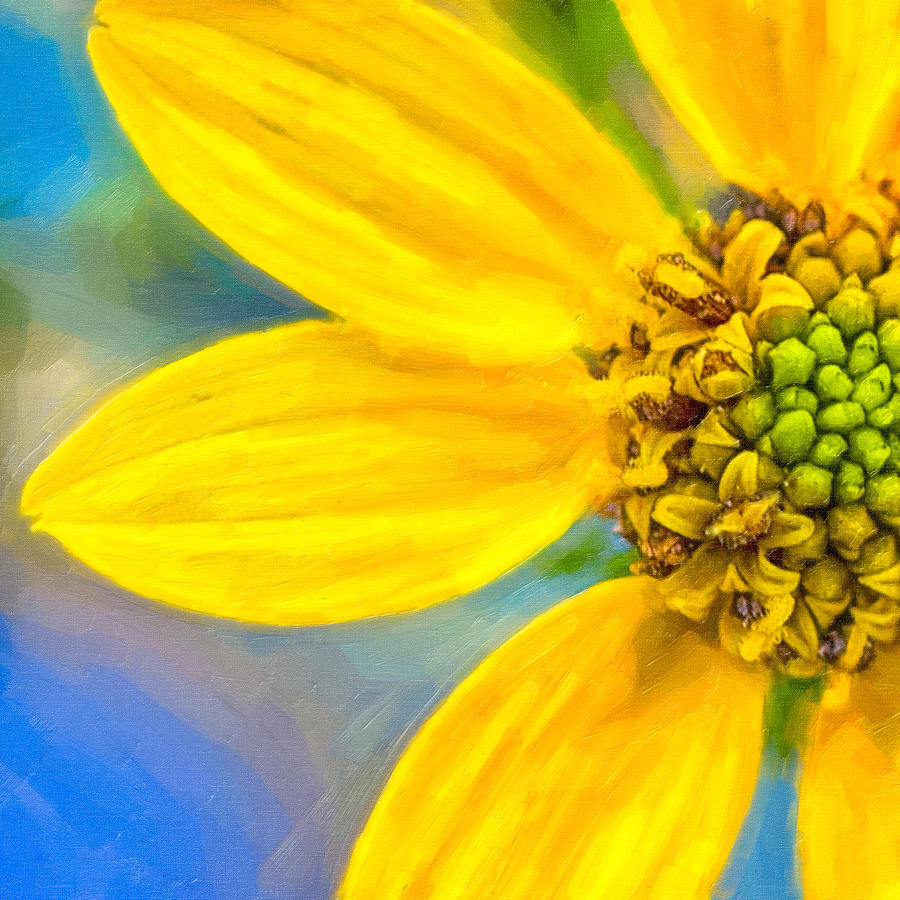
(146, 753)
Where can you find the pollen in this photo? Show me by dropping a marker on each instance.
(762, 402)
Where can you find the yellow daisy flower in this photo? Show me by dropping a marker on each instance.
(526, 335)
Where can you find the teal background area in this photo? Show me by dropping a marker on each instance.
(146, 753)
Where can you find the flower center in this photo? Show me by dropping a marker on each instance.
(762, 465)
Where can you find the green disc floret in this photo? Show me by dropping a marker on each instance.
(833, 383)
(883, 417)
(828, 450)
(863, 355)
(877, 554)
(792, 435)
(869, 449)
(835, 420)
(841, 417)
(828, 345)
(791, 362)
(794, 397)
(873, 388)
(827, 579)
(829, 414)
(849, 527)
(849, 482)
(810, 265)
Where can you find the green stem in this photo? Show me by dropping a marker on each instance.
(788, 710)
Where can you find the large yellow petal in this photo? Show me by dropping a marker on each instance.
(385, 162)
(849, 803)
(792, 94)
(601, 753)
(299, 476)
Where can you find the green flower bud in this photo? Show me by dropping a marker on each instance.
(889, 343)
(849, 527)
(883, 494)
(794, 397)
(792, 435)
(828, 450)
(858, 251)
(833, 383)
(849, 483)
(828, 345)
(886, 291)
(869, 449)
(827, 579)
(808, 486)
(791, 362)
(873, 390)
(863, 355)
(842, 417)
(753, 414)
(882, 417)
(852, 309)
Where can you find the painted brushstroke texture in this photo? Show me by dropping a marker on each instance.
(44, 156)
(808, 99)
(298, 476)
(393, 168)
(146, 754)
(558, 768)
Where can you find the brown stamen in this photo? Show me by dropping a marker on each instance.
(675, 413)
(665, 550)
(713, 306)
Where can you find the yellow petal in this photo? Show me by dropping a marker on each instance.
(299, 476)
(793, 95)
(602, 752)
(849, 804)
(385, 162)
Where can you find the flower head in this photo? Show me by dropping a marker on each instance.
(761, 473)
(529, 335)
